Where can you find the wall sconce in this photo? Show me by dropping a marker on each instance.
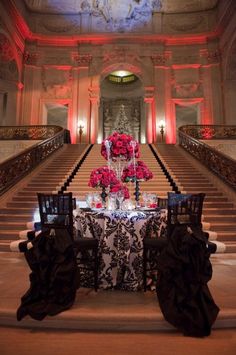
(80, 128)
(162, 129)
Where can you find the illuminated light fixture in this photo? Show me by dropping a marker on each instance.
(121, 73)
(122, 77)
(162, 129)
(80, 128)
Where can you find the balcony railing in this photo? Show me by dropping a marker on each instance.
(221, 164)
(18, 166)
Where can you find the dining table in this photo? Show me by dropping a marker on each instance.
(120, 234)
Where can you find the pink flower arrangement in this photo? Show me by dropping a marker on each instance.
(102, 177)
(121, 187)
(137, 172)
(120, 147)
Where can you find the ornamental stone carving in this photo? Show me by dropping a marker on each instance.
(30, 58)
(121, 15)
(6, 52)
(160, 59)
(187, 90)
(82, 59)
(56, 83)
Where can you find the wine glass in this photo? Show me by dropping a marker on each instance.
(120, 197)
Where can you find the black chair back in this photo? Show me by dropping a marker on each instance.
(184, 209)
(56, 211)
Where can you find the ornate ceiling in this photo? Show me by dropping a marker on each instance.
(117, 8)
(76, 17)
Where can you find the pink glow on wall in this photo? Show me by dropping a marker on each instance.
(170, 128)
(149, 119)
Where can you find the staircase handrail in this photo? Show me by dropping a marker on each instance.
(18, 166)
(221, 164)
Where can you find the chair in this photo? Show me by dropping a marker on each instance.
(56, 212)
(184, 209)
(181, 209)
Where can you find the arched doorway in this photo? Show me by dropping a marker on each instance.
(121, 100)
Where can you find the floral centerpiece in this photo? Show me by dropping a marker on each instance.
(120, 146)
(136, 172)
(102, 177)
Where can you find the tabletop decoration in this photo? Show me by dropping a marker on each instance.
(136, 172)
(118, 149)
(103, 177)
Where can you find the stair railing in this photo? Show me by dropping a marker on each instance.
(222, 165)
(18, 166)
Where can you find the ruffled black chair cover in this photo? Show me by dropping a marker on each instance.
(54, 278)
(184, 269)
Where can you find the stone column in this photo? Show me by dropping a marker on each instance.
(149, 115)
(73, 125)
(83, 117)
(31, 91)
(211, 83)
(162, 91)
(20, 87)
(94, 101)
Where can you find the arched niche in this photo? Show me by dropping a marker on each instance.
(121, 99)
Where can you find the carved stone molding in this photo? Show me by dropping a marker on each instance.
(160, 59)
(6, 52)
(30, 58)
(57, 84)
(82, 59)
(211, 56)
(187, 90)
(120, 54)
(149, 94)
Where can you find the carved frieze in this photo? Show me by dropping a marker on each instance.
(30, 58)
(188, 90)
(211, 57)
(6, 52)
(9, 71)
(120, 54)
(160, 59)
(82, 59)
(56, 83)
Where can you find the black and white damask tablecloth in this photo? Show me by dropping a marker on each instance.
(120, 235)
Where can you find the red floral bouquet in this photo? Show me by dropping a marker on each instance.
(136, 172)
(120, 145)
(121, 187)
(102, 177)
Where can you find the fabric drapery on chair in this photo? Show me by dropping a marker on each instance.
(56, 211)
(184, 270)
(54, 278)
(184, 209)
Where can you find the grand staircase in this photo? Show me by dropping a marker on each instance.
(219, 213)
(66, 171)
(21, 209)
